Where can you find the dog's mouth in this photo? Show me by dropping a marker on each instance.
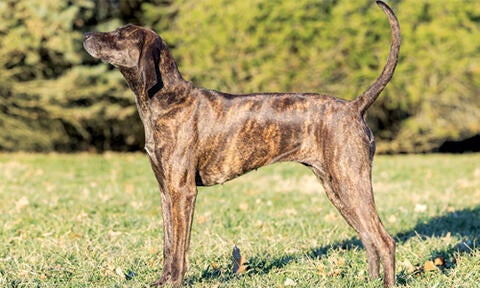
(90, 46)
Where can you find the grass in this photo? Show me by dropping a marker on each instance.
(95, 221)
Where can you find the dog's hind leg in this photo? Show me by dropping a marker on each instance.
(347, 183)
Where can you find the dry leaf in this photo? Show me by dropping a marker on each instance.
(448, 236)
(239, 262)
(331, 217)
(129, 188)
(429, 266)
(420, 208)
(439, 261)
(81, 216)
(290, 212)
(74, 235)
(322, 271)
(289, 282)
(119, 272)
(214, 265)
(201, 219)
(22, 203)
(110, 267)
(243, 206)
(335, 272)
(392, 219)
(113, 234)
(408, 266)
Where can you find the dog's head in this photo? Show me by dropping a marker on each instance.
(121, 47)
(140, 54)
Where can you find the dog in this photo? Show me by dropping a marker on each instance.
(200, 137)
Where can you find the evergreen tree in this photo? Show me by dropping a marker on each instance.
(54, 96)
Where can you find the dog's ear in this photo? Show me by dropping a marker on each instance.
(149, 64)
(156, 54)
(156, 65)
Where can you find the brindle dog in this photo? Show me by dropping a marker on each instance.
(200, 137)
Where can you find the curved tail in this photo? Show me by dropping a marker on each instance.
(371, 94)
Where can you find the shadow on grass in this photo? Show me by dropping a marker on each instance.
(464, 224)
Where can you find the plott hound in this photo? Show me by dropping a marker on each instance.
(200, 137)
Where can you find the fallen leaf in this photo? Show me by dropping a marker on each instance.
(214, 265)
(335, 272)
(110, 267)
(239, 261)
(289, 282)
(81, 216)
(448, 236)
(420, 208)
(429, 266)
(331, 217)
(74, 235)
(322, 271)
(86, 192)
(392, 219)
(119, 272)
(290, 212)
(439, 261)
(113, 234)
(201, 219)
(22, 203)
(243, 206)
(136, 204)
(408, 266)
(129, 188)
(38, 172)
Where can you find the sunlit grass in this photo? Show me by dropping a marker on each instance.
(95, 221)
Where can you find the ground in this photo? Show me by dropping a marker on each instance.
(83, 220)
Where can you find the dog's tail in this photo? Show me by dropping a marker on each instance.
(371, 94)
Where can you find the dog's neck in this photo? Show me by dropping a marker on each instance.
(158, 69)
(156, 76)
(132, 77)
(156, 73)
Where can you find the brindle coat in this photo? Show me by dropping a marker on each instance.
(199, 137)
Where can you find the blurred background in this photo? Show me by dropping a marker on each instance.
(55, 97)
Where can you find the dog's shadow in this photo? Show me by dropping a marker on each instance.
(462, 224)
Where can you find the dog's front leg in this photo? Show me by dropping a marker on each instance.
(178, 194)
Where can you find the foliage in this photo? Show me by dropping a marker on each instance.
(339, 48)
(438, 81)
(53, 96)
(49, 100)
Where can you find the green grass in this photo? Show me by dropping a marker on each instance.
(89, 220)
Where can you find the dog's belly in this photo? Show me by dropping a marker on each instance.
(233, 166)
(228, 156)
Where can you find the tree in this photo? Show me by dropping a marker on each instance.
(50, 101)
(338, 48)
(54, 96)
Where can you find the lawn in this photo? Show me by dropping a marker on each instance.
(88, 220)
